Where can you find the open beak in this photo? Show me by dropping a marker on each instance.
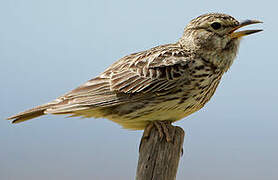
(239, 34)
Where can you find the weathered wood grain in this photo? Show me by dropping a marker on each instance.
(158, 159)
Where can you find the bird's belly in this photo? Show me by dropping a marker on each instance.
(137, 116)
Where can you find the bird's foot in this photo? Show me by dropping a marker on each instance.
(163, 130)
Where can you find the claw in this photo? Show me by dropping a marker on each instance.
(162, 128)
(148, 130)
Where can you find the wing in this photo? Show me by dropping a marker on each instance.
(139, 75)
(158, 69)
(153, 71)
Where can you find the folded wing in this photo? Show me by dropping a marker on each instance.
(158, 69)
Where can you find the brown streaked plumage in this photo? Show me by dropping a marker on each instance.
(165, 83)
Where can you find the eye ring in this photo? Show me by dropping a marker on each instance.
(216, 25)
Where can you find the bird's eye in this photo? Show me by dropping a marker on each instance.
(216, 25)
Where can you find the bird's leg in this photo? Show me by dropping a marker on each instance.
(159, 127)
(147, 131)
(162, 128)
(165, 129)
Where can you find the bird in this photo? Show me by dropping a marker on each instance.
(160, 85)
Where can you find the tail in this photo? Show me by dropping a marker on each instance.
(29, 114)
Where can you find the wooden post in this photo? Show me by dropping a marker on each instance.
(158, 159)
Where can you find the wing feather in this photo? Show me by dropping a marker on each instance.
(158, 69)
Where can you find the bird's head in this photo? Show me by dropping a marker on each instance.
(215, 34)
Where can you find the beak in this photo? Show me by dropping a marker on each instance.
(239, 34)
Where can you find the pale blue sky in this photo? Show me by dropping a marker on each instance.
(50, 47)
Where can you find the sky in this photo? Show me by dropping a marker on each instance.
(50, 47)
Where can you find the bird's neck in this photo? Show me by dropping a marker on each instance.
(222, 58)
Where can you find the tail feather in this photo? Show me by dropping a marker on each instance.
(29, 114)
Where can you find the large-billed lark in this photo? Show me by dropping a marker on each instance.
(163, 84)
